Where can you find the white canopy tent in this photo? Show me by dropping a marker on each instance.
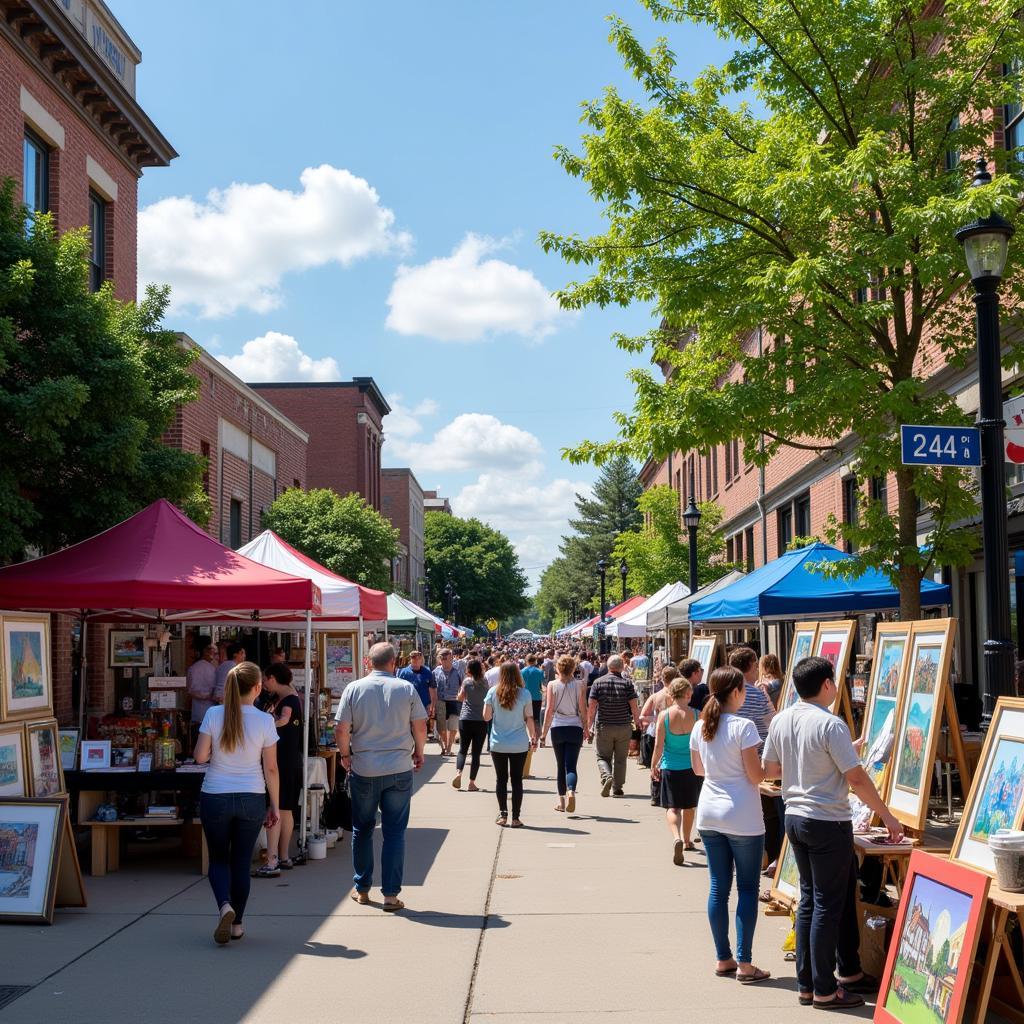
(636, 622)
(523, 634)
(677, 614)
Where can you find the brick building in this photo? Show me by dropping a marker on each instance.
(402, 503)
(253, 451)
(434, 502)
(344, 422)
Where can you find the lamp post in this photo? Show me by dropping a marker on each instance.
(602, 568)
(623, 572)
(455, 608)
(985, 242)
(426, 593)
(448, 591)
(691, 520)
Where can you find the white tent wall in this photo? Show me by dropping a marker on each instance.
(635, 624)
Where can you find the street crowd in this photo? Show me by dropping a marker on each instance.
(710, 745)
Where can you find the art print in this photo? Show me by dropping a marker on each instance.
(95, 755)
(12, 761)
(31, 833)
(44, 759)
(882, 700)
(26, 667)
(920, 717)
(833, 643)
(786, 885)
(340, 662)
(68, 749)
(128, 648)
(703, 650)
(802, 647)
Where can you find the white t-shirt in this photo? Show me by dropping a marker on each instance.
(565, 697)
(492, 675)
(729, 802)
(239, 770)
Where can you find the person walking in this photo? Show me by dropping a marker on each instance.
(381, 731)
(566, 712)
(723, 749)
(287, 711)
(417, 673)
(509, 710)
(447, 683)
(672, 768)
(811, 750)
(612, 710)
(240, 745)
(472, 726)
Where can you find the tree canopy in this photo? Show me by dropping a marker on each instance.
(344, 535)
(88, 387)
(802, 199)
(479, 562)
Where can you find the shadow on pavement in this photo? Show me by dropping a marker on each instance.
(439, 919)
(331, 949)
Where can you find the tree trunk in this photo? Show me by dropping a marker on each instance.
(909, 575)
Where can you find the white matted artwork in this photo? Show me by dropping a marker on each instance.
(882, 700)
(703, 650)
(34, 831)
(802, 647)
(12, 760)
(95, 755)
(786, 884)
(834, 641)
(44, 758)
(25, 667)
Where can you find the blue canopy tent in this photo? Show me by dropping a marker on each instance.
(787, 588)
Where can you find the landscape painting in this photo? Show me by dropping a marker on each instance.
(12, 762)
(891, 650)
(26, 688)
(30, 840)
(1001, 797)
(787, 874)
(920, 717)
(875, 755)
(803, 647)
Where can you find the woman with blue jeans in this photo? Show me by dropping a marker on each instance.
(240, 744)
(566, 713)
(724, 749)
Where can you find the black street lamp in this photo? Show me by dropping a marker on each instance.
(602, 568)
(455, 607)
(426, 593)
(985, 242)
(691, 520)
(623, 572)
(448, 591)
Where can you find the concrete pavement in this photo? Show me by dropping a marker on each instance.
(572, 918)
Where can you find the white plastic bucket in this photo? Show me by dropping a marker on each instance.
(1007, 848)
(317, 848)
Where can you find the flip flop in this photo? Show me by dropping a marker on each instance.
(755, 977)
(457, 782)
(362, 898)
(678, 856)
(728, 972)
(501, 821)
(846, 1001)
(391, 908)
(570, 804)
(516, 823)
(222, 933)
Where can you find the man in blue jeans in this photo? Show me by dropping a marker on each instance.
(381, 731)
(810, 749)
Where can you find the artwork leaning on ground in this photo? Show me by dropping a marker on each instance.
(30, 841)
(787, 875)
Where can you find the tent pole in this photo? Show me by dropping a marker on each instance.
(83, 676)
(357, 669)
(763, 635)
(305, 740)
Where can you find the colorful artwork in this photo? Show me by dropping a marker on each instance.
(920, 716)
(68, 748)
(26, 663)
(12, 762)
(128, 649)
(999, 801)
(803, 645)
(26, 677)
(31, 833)
(890, 658)
(17, 858)
(340, 661)
(832, 649)
(883, 724)
(787, 874)
(43, 755)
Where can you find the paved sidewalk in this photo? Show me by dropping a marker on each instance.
(570, 919)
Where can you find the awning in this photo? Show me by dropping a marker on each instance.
(635, 622)
(622, 608)
(677, 614)
(405, 617)
(787, 588)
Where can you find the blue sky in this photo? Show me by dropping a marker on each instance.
(407, 250)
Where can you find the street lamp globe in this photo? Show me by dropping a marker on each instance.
(985, 240)
(691, 515)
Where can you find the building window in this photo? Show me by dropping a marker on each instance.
(880, 490)
(953, 155)
(739, 547)
(235, 524)
(803, 515)
(860, 295)
(851, 511)
(730, 553)
(97, 241)
(204, 451)
(785, 526)
(728, 462)
(750, 549)
(736, 461)
(1012, 115)
(36, 193)
(714, 470)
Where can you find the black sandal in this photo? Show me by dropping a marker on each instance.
(501, 821)
(843, 1001)
(516, 823)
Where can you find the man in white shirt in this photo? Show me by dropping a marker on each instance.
(200, 680)
(235, 656)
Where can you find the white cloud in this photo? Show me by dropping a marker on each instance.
(231, 251)
(465, 297)
(274, 357)
(472, 441)
(404, 421)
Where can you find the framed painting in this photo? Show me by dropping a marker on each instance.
(882, 700)
(702, 648)
(25, 665)
(44, 758)
(920, 714)
(339, 659)
(69, 749)
(928, 968)
(13, 776)
(31, 836)
(834, 641)
(802, 647)
(127, 649)
(95, 755)
(996, 799)
(786, 884)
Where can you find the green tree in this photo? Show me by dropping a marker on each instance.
(479, 562)
(88, 388)
(821, 215)
(658, 553)
(344, 535)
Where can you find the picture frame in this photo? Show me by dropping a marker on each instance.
(804, 634)
(145, 763)
(32, 833)
(702, 649)
(938, 924)
(922, 709)
(339, 661)
(834, 641)
(122, 757)
(785, 885)
(13, 770)
(126, 648)
(95, 755)
(44, 762)
(883, 699)
(996, 797)
(68, 739)
(27, 684)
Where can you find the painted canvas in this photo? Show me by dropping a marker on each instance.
(787, 875)
(703, 649)
(340, 662)
(30, 839)
(883, 700)
(44, 759)
(928, 969)
(68, 749)
(26, 665)
(12, 762)
(920, 717)
(833, 642)
(803, 646)
(128, 648)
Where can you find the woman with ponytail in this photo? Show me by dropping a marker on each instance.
(240, 743)
(723, 749)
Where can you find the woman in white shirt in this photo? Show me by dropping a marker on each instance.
(564, 717)
(240, 744)
(723, 748)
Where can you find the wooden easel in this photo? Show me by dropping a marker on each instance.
(1002, 908)
(70, 887)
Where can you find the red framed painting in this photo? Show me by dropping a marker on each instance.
(928, 969)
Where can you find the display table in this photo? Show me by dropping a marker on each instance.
(1000, 992)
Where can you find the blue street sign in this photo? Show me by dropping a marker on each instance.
(940, 446)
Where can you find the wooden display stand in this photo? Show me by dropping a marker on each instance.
(1003, 994)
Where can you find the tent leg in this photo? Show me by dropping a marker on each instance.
(357, 669)
(763, 636)
(83, 677)
(304, 822)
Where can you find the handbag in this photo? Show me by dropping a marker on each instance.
(337, 811)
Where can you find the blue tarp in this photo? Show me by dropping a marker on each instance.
(787, 588)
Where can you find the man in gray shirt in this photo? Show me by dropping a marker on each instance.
(381, 731)
(811, 750)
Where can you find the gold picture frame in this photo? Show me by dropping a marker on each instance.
(804, 636)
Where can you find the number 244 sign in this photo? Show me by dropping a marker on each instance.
(940, 446)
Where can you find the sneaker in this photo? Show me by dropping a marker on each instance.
(619, 792)
(266, 871)
(606, 787)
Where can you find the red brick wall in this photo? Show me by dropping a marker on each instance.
(69, 182)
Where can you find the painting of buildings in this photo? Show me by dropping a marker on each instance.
(1002, 795)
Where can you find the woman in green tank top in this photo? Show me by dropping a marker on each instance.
(672, 770)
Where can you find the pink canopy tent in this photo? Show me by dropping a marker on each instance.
(623, 608)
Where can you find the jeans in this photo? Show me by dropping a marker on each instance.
(471, 739)
(827, 933)
(567, 741)
(646, 750)
(508, 766)
(392, 794)
(231, 823)
(773, 809)
(724, 853)
(612, 752)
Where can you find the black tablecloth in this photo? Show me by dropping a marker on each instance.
(133, 782)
